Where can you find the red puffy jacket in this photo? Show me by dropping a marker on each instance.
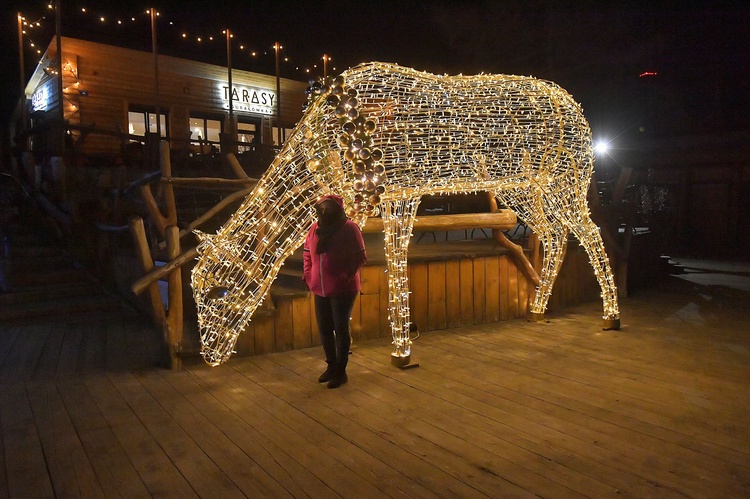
(337, 270)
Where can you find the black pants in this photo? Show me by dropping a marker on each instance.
(333, 313)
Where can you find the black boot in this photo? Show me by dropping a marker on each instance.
(327, 374)
(339, 378)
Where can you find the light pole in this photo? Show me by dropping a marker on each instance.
(277, 49)
(156, 73)
(21, 72)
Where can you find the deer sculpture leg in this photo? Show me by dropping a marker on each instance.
(554, 237)
(555, 245)
(398, 220)
(588, 234)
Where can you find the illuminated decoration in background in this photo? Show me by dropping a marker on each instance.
(382, 136)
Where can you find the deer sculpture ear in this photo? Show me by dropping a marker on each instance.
(203, 238)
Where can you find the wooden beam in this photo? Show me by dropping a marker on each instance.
(147, 265)
(210, 213)
(208, 181)
(516, 252)
(236, 167)
(502, 219)
(160, 272)
(175, 315)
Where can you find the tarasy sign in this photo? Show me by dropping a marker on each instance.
(40, 99)
(249, 99)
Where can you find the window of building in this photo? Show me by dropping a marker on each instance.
(279, 135)
(246, 132)
(206, 129)
(141, 120)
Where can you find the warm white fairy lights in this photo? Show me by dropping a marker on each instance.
(382, 136)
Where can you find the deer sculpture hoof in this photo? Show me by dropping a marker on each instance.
(536, 317)
(611, 324)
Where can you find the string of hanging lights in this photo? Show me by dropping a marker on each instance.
(182, 35)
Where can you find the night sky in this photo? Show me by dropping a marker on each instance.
(597, 50)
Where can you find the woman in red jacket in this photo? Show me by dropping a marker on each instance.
(333, 253)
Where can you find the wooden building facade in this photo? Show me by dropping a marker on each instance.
(115, 89)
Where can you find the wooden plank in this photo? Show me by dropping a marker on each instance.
(408, 474)
(621, 451)
(50, 355)
(114, 471)
(250, 413)
(563, 283)
(466, 284)
(26, 469)
(479, 288)
(501, 219)
(418, 304)
(69, 468)
(4, 492)
(334, 416)
(660, 409)
(444, 424)
(168, 461)
(9, 334)
(92, 357)
(436, 309)
(492, 288)
(370, 316)
(264, 335)
(314, 332)
(453, 293)
(302, 325)
(284, 326)
(310, 437)
(355, 324)
(369, 302)
(245, 343)
(370, 279)
(505, 288)
(525, 288)
(239, 472)
(513, 277)
(564, 466)
(383, 304)
(208, 391)
(23, 357)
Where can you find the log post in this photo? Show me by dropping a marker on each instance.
(175, 317)
(144, 282)
(161, 221)
(147, 265)
(516, 252)
(210, 213)
(236, 167)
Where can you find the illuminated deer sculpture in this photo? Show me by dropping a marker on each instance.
(382, 136)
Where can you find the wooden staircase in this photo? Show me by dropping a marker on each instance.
(40, 280)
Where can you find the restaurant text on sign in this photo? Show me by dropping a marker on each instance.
(249, 99)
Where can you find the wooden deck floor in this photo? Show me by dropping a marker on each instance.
(563, 409)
